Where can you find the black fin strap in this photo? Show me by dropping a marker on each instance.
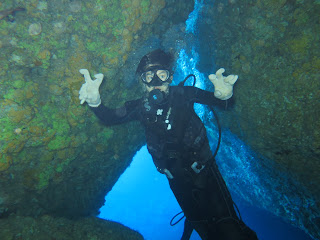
(171, 222)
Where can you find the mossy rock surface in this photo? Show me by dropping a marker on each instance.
(274, 48)
(48, 227)
(55, 155)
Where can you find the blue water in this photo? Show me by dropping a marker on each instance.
(142, 200)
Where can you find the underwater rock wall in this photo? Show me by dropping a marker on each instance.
(48, 227)
(274, 48)
(55, 156)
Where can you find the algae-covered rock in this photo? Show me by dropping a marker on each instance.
(48, 227)
(55, 155)
(274, 48)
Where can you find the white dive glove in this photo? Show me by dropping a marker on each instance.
(223, 86)
(89, 91)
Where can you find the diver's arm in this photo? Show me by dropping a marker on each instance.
(128, 112)
(223, 86)
(198, 95)
(223, 89)
(89, 93)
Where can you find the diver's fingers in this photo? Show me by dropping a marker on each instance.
(234, 79)
(220, 72)
(86, 75)
(99, 78)
(212, 77)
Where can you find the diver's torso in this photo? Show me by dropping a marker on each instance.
(173, 130)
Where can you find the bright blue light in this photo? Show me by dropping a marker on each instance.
(187, 65)
(193, 17)
(142, 200)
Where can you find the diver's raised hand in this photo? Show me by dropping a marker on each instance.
(89, 91)
(223, 86)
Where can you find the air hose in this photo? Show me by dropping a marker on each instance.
(181, 84)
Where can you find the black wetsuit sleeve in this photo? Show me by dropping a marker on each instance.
(198, 95)
(128, 112)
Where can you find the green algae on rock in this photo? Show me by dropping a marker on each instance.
(274, 48)
(53, 148)
(60, 228)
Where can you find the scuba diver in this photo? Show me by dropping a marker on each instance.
(177, 141)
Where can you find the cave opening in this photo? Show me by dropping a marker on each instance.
(142, 200)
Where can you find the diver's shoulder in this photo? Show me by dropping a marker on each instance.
(183, 89)
(134, 103)
(177, 89)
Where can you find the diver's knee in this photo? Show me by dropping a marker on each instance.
(233, 229)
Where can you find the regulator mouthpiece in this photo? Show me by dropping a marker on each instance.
(156, 96)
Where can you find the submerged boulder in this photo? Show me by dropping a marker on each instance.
(274, 48)
(55, 156)
(48, 227)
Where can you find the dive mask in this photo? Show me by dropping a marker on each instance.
(155, 77)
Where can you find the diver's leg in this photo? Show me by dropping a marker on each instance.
(230, 229)
(185, 189)
(226, 225)
(214, 204)
(205, 200)
(187, 230)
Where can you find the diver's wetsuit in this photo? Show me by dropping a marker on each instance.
(176, 139)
